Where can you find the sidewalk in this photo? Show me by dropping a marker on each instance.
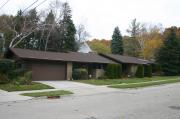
(11, 96)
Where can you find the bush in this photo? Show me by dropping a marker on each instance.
(103, 77)
(7, 68)
(114, 71)
(140, 71)
(156, 68)
(6, 65)
(3, 79)
(80, 74)
(148, 70)
(24, 80)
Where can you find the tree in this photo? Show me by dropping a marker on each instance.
(67, 30)
(152, 41)
(81, 33)
(169, 54)
(31, 42)
(63, 30)
(8, 34)
(145, 40)
(100, 46)
(135, 30)
(117, 43)
(49, 35)
(22, 26)
(128, 46)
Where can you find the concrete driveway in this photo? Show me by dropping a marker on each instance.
(77, 88)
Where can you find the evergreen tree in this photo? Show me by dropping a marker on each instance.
(51, 31)
(50, 19)
(67, 31)
(169, 55)
(117, 43)
(18, 21)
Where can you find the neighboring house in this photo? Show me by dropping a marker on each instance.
(129, 64)
(84, 48)
(59, 66)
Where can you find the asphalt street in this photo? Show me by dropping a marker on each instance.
(159, 102)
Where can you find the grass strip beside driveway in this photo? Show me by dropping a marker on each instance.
(48, 93)
(144, 84)
(34, 86)
(126, 80)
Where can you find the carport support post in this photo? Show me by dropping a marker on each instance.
(69, 71)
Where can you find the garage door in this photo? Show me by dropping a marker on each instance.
(49, 72)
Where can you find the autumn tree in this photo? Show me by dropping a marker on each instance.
(153, 40)
(145, 40)
(116, 42)
(100, 46)
(169, 54)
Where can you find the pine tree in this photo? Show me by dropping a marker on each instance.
(67, 31)
(116, 43)
(169, 55)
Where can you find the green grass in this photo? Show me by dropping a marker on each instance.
(48, 93)
(125, 80)
(34, 86)
(144, 84)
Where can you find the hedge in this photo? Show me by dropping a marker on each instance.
(114, 71)
(7, 67)
(156, 68)
(148, 70)
(80, 74)
(140, 71)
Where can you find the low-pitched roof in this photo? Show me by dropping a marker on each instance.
(126, 59)
(58, 56)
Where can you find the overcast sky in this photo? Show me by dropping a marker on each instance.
(101, 16)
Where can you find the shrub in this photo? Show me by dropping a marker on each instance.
(157, 69)
(3, 79)
(103, 77)
(80, 74)
(148, 70)
(25, 80)
(7, 67)
(114, 71)
(140, 71)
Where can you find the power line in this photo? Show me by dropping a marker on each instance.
(4, 4)
(30, 6)
(40, 3)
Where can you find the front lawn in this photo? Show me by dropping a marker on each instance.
(129, 80)
(144, 84)
(48, 93)
(34, 86)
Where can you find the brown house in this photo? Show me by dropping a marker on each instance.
(129, 64)
(58, 66)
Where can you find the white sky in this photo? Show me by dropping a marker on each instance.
(101, 16)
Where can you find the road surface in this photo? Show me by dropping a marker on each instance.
(159, 102)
